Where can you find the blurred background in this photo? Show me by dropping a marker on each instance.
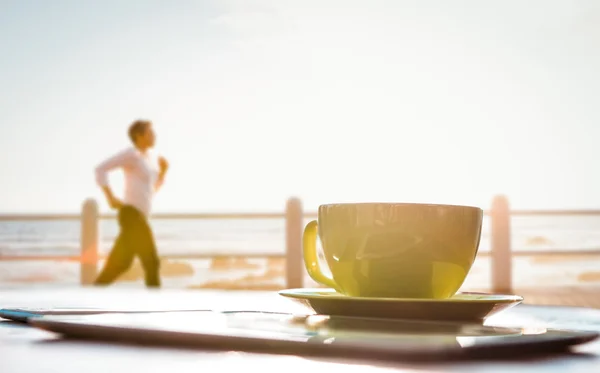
(328, 101)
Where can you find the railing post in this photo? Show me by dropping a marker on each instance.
(89, 241)
(294, 222)
(501, 258)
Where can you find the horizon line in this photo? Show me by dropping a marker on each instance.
(15, 216)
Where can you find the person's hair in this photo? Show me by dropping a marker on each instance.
(138, 128)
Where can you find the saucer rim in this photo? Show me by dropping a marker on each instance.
(301, 293)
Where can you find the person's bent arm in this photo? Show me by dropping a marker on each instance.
(119, 160)
(163, 167)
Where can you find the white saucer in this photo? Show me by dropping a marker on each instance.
(466, 306)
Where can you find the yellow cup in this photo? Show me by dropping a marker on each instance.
(394, 250)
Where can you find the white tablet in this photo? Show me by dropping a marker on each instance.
(314, 334)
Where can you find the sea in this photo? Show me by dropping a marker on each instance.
(221, 237)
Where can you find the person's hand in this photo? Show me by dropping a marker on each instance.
(114, 202)
(163, 165)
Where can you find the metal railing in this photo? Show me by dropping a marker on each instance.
(500, 250)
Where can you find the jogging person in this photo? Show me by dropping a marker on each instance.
(144, 175)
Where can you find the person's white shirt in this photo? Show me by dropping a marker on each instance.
(141, 176)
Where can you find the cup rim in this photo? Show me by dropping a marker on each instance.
(346, 204)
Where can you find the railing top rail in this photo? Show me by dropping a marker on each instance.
(73, 216)
(589, 212)
(260, 215)
(249, 255)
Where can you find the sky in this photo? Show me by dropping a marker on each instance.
(331, 101)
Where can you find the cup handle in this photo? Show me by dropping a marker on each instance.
(309, 247)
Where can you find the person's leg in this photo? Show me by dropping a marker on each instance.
(146, 250)
(121, 256)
